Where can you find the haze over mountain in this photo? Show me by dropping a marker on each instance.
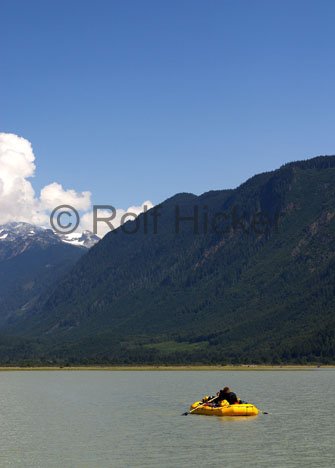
(249, 277)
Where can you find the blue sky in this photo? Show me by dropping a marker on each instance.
(139, 99)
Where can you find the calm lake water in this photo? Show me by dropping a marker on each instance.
(133, 419)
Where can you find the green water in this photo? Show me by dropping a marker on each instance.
(133, 419)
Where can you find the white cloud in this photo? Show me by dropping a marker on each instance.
(18, 201)
(54, 195)
(17, 196)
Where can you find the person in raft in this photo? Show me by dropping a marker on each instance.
(228, 395)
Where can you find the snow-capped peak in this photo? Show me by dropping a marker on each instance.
(16, 238)
(23, 235)
(20, 230)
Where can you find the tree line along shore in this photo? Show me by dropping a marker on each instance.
(168, 368)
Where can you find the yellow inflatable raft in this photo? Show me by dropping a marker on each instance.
(225, 409)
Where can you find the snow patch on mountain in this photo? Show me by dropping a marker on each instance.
(81, 239)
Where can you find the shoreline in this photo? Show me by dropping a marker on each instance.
(200, 368)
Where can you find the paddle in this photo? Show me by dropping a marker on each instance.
(189, 412)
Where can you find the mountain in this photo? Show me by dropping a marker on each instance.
(243, 275)
(31, 259)
(16, 238)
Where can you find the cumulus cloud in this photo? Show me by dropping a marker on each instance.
(19, 202)
(17, 197)
(53, 195)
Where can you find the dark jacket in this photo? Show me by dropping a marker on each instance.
(230, 397)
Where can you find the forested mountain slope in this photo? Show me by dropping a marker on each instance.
(251, 281)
